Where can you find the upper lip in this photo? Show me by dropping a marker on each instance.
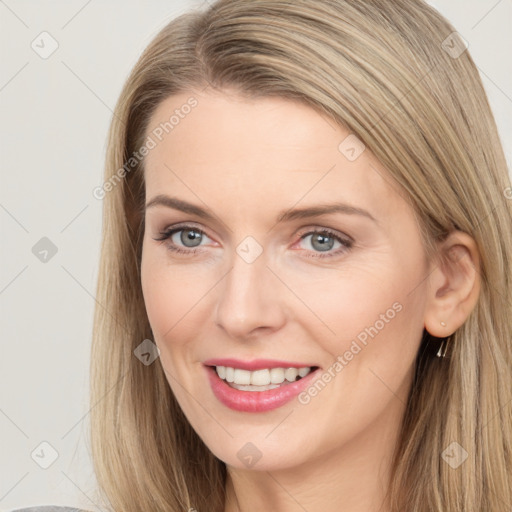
(256, 364)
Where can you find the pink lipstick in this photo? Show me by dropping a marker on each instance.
(257, 401)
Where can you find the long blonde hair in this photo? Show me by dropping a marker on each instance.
(396, 75)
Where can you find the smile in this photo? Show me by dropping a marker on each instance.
(260, 390)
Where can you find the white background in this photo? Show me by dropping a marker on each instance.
(55, 113)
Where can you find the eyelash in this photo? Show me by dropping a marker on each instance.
(346, 244)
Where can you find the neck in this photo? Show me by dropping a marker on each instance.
(352, 478)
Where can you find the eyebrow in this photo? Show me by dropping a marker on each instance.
(284, 216)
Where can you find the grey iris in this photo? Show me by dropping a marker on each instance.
(192, 236)
(322, 239)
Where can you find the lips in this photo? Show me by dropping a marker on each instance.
(257, 401)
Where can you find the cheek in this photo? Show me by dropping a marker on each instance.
(367, 311)
(342, 301)
(165, 293)
(168, 302)
(159, 295)
(174, 296)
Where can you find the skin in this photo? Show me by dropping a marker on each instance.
(245, 161)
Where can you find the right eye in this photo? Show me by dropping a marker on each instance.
(182, 239)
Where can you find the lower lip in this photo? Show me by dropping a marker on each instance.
(257, 401)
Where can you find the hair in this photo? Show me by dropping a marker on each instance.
(383, 71)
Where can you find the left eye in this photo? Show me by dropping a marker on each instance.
(323, 241)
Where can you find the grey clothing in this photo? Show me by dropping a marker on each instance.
(49, 508)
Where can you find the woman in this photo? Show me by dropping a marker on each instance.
(305, 280)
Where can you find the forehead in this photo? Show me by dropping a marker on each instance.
(261, 152)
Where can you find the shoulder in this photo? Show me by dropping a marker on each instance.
(49, 508)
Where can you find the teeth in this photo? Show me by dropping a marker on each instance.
(291, 374)
(267, 377)
(221, 372)
(277, 375)
(304, 371)
(242, 376)
(260, 378)
(254, 388)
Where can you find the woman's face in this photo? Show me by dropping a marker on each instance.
(253, 270)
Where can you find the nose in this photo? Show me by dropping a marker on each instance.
(251, 299)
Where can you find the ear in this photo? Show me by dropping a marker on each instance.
(453, 285)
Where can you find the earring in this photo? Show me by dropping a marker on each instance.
(442, 349)
(444, 345)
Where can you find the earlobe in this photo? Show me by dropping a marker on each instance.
(453, 285)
